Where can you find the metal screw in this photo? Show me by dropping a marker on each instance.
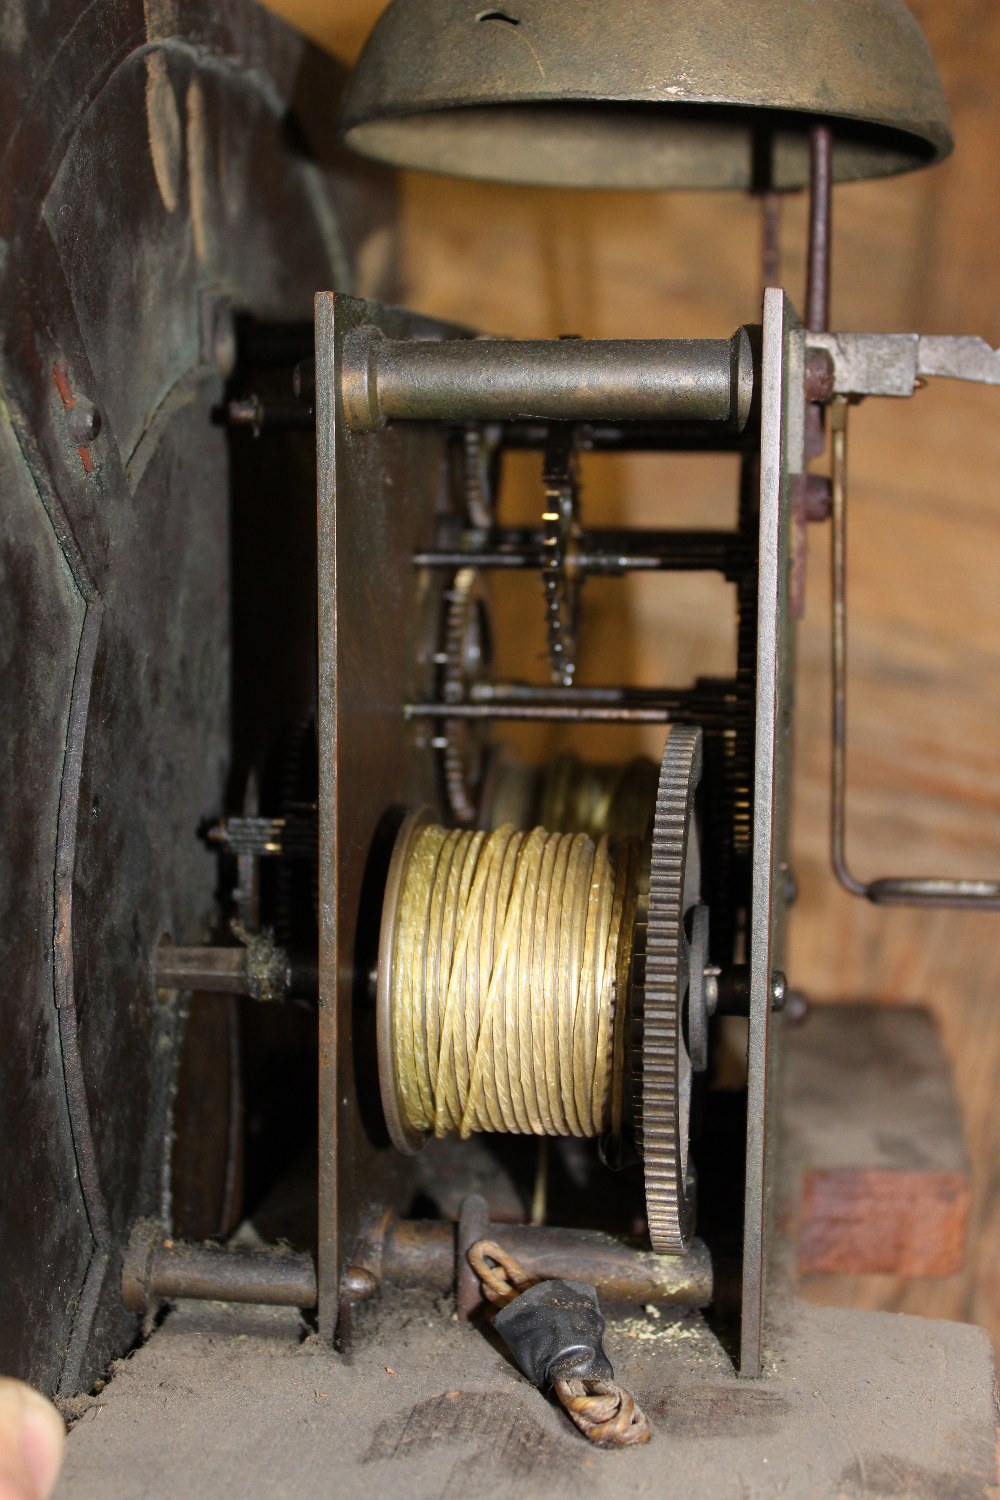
(84, 422)
(779, 990)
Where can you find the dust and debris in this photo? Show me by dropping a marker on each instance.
(246, 1399)
(74, 1409)
(889, 1475)
(509, 1436)
(730, 1410)
(651, 1324)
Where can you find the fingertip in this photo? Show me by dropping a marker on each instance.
(32, 1441)
(43, 1441)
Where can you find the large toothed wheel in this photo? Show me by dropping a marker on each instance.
(672, 972)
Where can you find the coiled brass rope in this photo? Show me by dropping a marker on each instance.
(574, 796)
(579, 797)
(604, 1411)
(509, 968)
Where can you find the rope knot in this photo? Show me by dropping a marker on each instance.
(554, 1333)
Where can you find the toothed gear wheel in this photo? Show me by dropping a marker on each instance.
(663, 1102)
(481, 450)
(468, 654)
(560, 575)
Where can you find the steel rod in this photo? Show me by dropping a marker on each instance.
(255, 413)
(838, 554)
(929, 891)
(559, 380)
(422, 1253)
(260, 971)
(155, 1268)
(405, 1252)
(599, 564)
(820, 228)
(211, 971)
(602, 553)
(555, 713)
(523, 692)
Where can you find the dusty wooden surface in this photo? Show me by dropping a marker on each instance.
(919, 253)
(228, 1400)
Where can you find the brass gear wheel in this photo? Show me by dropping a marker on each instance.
(467, 660)
(669, 977)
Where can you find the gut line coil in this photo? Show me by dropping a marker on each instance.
(538, 983)
(509, 964)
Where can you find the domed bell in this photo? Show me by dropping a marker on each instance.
(648, 94)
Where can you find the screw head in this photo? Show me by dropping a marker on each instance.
(779, 990)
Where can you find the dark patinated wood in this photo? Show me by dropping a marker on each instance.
(154, 168)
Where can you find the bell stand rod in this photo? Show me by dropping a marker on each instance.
(820, 228)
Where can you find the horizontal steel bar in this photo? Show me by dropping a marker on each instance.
(958, 895)
(211, 971)
(260, 971)
(255, 413)
(155, 1267)
(423, 1253)
(558, 380)
(602, 552)
(542, 713)
(568, 713)
(405, 1252)
(524, 692)
(527, 561)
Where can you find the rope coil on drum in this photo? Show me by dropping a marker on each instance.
(504, 956)
(552, 984)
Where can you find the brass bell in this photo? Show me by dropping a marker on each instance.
(653, 94)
